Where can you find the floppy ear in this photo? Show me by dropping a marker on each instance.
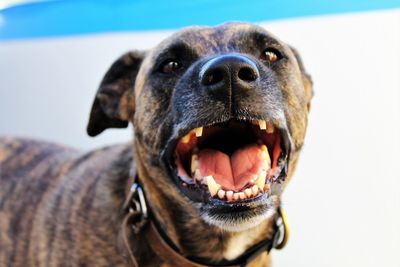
(307, 81)
(113, 105)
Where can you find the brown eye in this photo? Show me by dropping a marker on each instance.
(270, 55)
(170, 66)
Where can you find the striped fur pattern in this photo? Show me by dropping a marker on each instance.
(62, 207)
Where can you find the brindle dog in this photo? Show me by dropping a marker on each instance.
(219, 117)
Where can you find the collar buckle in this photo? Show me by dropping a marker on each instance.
(136, 206)
(137, 200)
(281, 235)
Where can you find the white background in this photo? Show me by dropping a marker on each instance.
(343, 203)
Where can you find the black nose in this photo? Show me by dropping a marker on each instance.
(229, 72)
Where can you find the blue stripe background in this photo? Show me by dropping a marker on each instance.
(61, 18)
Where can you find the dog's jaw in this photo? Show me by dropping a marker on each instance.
(236, 225)
(197, 234)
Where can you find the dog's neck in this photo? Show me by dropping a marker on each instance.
(183, 225)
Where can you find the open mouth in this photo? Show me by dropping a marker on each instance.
(233, 161)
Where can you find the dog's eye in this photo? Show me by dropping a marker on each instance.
(270, 55)
(170, 66)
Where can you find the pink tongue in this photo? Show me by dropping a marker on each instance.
(231, 172)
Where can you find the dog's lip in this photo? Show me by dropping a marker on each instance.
(168, 152)
(215, 206)
(222, 207)
(197, 194)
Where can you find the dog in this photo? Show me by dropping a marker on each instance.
(219, 116)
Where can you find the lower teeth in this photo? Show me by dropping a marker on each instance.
(216, 190)
(257, 183)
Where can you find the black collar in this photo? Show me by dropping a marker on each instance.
(135, 207)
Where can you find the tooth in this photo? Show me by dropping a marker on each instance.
(186, 138)
(213, 187)
(221, 194)
(194, 164)
(254, 190)
(266, 188)
(265, 155)
(253, 179)
(235, 196)
(261, 180)
(229, 195)
(267, 160)
(248, 192)
(262, 124)
(270, 128)
(197, 175)
(198, 131)
(242, 195)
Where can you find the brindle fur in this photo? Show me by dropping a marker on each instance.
(61, 207)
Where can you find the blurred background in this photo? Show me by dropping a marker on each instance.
(343, 204)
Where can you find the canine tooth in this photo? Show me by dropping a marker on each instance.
(235, 196)
(229, 195)
(261, 180)
(198, 131)
(197, 175)
(270, 128)
(265, 155)
(262, 124)
(268, 160)
(186, 138)
(266, 188)
(242, 195)
(248, 192)
(221, 194)
(194, 164)
(254, 190)
(213, 187)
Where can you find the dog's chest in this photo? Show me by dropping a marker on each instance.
(238, 244)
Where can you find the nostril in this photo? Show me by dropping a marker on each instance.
(247, 74)
(213, 77)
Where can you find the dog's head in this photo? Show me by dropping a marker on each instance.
(219, 112)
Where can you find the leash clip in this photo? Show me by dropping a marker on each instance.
(137, 200)
(136, 208)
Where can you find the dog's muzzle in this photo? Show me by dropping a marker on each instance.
(225, 158)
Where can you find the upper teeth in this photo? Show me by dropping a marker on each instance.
(198, 131)
(186, 138)
(265, 125)
(270, 128)
(262, 124)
